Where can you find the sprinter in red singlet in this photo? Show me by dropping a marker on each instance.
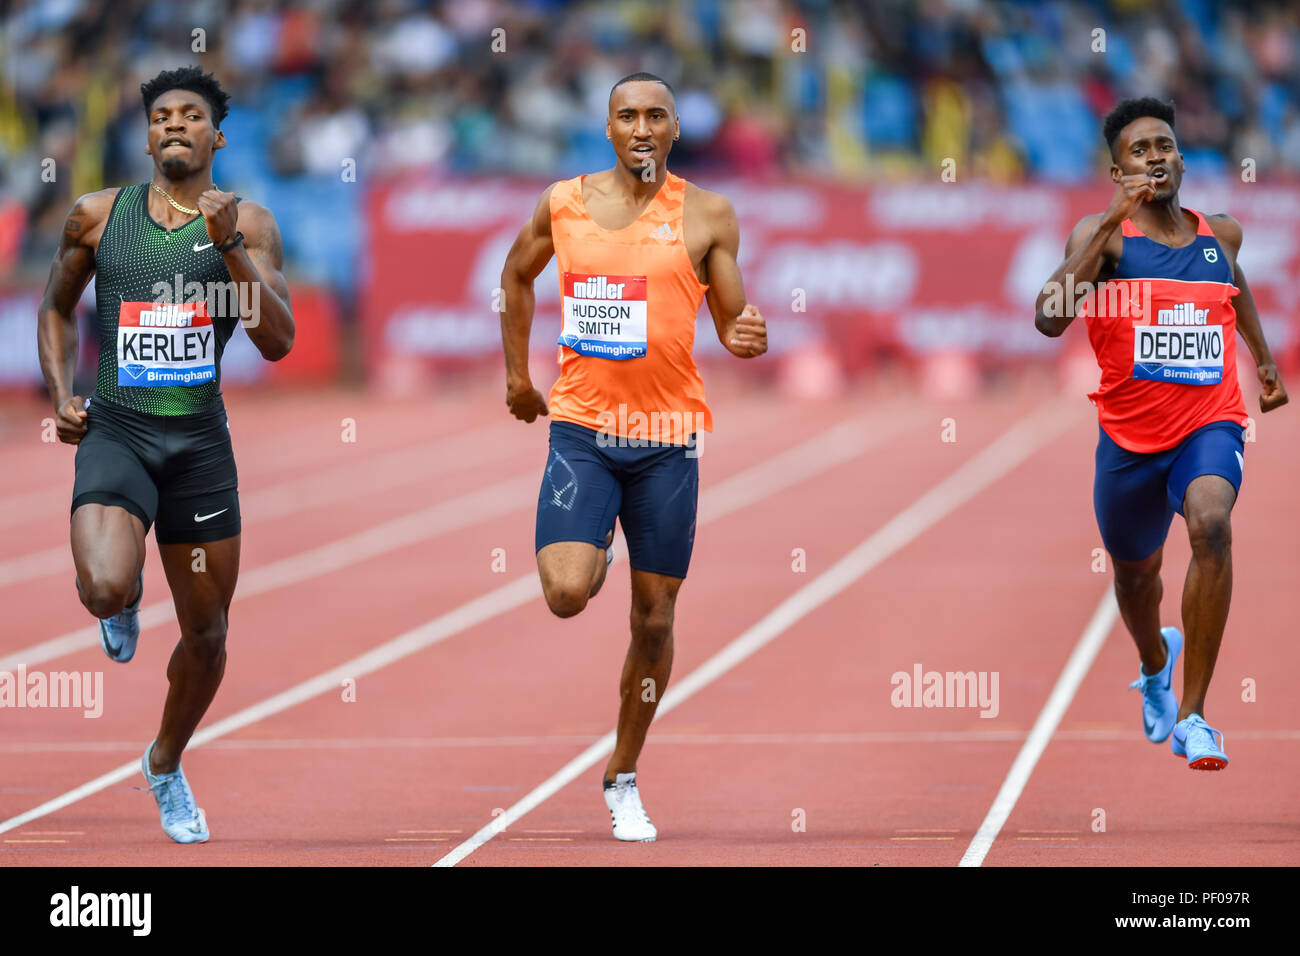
(1163, 323)
(638, 250)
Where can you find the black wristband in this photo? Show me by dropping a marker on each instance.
(230, 243)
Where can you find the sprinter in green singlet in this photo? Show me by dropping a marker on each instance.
(178, 264)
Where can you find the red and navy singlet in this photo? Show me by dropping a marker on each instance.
(1165, 335)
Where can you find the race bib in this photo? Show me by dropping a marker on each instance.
(604, 316)
(1181, 347)
(163, 344)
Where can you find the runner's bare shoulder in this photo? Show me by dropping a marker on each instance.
(542, 214)
(1084, 228)
(712, 210)
(1226, 229)
(712, 206)
(85, 223)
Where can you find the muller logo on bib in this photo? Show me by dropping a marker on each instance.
(599, 287)
(1185, 313)
(604, 316)
(1181, 347)
(162, 344)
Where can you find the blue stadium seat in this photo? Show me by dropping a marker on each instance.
(889, 112)
(1057, 131)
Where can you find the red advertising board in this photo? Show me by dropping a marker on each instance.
(905, 270)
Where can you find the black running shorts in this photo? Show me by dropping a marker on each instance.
(175, 470)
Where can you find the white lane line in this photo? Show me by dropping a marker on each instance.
(19, 508)
(482, 608)
(464, 511)
(1085, 651)
(36, 564)
(837, 444)
(972, 477)
(533, 741)
(830, 448)
(393, 469)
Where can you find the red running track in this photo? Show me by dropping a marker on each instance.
(796, 755)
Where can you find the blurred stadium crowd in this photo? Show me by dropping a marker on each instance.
(882, 90)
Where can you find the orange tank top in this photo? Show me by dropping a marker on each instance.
(629, 297)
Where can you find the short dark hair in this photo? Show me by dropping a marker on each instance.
(643, 77)
(1126, 111)
(188, 78)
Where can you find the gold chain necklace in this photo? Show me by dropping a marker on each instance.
(174, 203)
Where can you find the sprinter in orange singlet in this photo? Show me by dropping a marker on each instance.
(638, 250)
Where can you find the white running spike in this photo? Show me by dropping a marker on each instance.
(631, 823)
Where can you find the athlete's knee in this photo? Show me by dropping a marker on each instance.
(1210, 532)
(652, 628)
(206, 639)
(105, 594)
(565, 598)
(1134, 580)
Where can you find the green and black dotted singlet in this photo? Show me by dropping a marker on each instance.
(134, 257)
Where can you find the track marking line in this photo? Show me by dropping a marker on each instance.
(1051, 839)
(908, 737)
(390, 469)
(296, 495)
(837, 444)
(966, 481)
(1076, 668)
(442, 518)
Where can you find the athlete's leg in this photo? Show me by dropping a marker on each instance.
(1134, 514)
(660, 496)
(572, 572)
(202, 578)
(1203, 483)
(1138, 590)
(1207, 591)
(114, 502)
(108, 552)
(577, 505)
(646, 668)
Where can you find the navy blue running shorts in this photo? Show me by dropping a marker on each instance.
(1136, 495)
(652, 490)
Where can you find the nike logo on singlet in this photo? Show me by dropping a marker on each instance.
(199, 248)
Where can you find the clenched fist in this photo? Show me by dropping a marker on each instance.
(749, 336)
(220, 214)
(525, 402)
(1272, 392)
(71, 421)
